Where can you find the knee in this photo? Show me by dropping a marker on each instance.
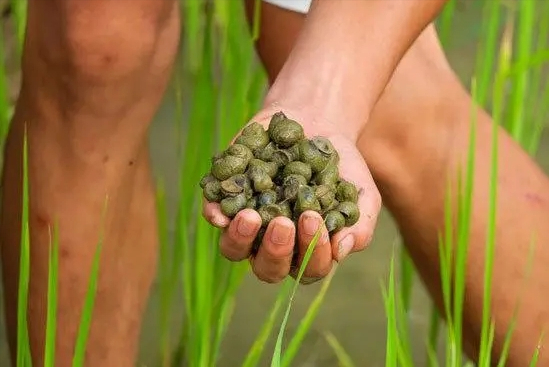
(98, 40)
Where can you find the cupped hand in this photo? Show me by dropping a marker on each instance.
(273, 260)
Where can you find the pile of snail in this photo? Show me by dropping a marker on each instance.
(279, 172)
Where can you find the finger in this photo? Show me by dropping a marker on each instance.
(320, 263)
(272, 263)
(212, 213)
(353, 169)
(236, 241)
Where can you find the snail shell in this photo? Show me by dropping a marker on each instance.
(212, 191)
(277, 117)
(207, 179)
(285, 132)
(270, 168)
(334, 221)
(228, 166)
(267, 197)
(298, 168)
(230, 206)
(305, 200)
(266, 154)
(291, 185)
(317, 153)
(325, 196)
(328, 176)
(251, 203)
(268, 213)
(235, 185)
(350, 211)
(253, 136)
(260, 179)
(346, 191)
(241, 151)
(286, 209)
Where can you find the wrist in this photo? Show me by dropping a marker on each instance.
(316, 108)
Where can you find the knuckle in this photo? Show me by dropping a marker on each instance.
(231, 251)
(364, 240)
(273, 252)
(269, 275)
(316, 272)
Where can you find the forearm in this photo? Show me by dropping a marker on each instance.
(411, 163)
(346, 54)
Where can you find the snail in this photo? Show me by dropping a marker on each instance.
(279, 172)
(253, 136)
(328, 176)
(325, 195)
(346, 191)
(350, 212)
(227, 166)
(317, 153)
(334, 221)
(305, 200)
(260, 179)
(230, 206)
(298, 168)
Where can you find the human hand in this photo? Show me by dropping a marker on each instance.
(273, 261)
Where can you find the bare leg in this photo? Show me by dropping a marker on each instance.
(93, 75)
(417, 135)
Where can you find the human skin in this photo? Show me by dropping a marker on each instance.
(333, 96)
(417, 135)
(87, 106)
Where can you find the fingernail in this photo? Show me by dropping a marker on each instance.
(218, 221)
(310, 225)
(245, 228)
(345, 246)
(281, 234)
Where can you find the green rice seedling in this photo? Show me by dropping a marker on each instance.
(23, 356)
(307, 321)
(277, 353)
(51, 316)
(89, 300)
(343, 358)
(20, 12)
(5, 108)
(397, 348)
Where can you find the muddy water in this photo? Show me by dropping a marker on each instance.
(353, 309)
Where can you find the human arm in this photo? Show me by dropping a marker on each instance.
(332, 95)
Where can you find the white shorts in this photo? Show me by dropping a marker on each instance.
(300, 6)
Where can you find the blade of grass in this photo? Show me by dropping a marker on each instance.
(87, 310)
(535, 356)
(277, 353)
(51, 316)
(343, 358)
(521, 80)
(306, 322)
(464, 224)
(5, 114)
(406, 278)
(432, 342)
(23, 348)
